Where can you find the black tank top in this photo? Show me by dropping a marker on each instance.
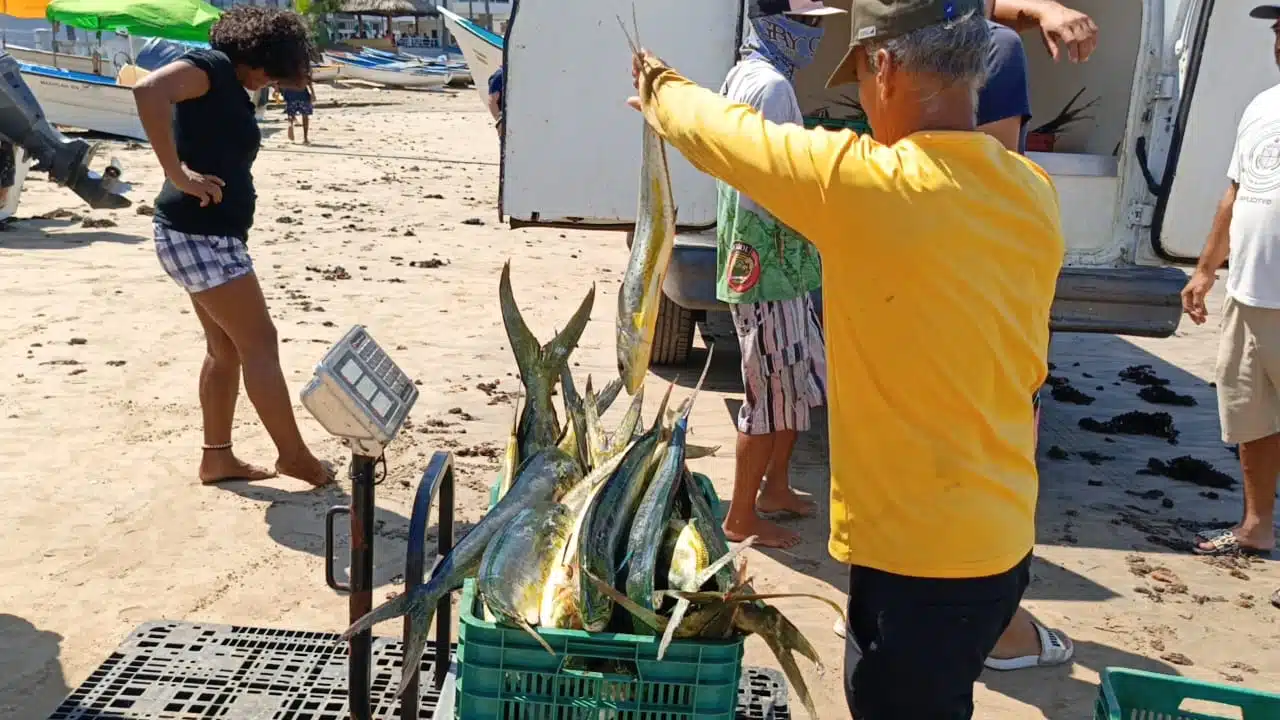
(218, 135)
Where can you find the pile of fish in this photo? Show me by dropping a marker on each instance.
(595, 530)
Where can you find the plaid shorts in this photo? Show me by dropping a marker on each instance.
(201, 262)
(784, 364)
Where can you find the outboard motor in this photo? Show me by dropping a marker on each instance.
(22, 121)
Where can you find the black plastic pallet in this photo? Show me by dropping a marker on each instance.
(185, 671)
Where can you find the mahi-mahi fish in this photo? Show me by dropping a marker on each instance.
(655, 234)
(543, 478)
(540, 366)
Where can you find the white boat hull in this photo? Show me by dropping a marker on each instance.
(325, 73)
(393, 78)
(74, 63)
(92, 106)
(483, 57)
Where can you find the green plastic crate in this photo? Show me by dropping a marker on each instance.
(504, 673)
(1137, 695)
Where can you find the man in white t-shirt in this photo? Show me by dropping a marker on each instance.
(1247, 228)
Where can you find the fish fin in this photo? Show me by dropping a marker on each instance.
(576, 425)
(648, 617)
(524, 345)
(688, 407)
(753, 597)
(715, 567)
(694, 452)
(607, 395)
(415, 646)
(677, 616)
(662, 407)
(597, 439)
(393, 608)
(525, 626)
(627, 427)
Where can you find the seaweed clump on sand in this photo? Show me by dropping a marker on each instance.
(1190, 469)
(1135, 422)
(1142, 375)
(1161, 395)
(1062, 391)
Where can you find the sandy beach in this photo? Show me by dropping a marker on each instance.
(389, 219)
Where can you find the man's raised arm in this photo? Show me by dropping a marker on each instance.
(784, 168)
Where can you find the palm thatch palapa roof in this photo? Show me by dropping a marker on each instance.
(389, 8)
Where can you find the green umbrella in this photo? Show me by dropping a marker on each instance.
(170, 19)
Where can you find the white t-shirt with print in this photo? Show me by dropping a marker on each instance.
(1253, 277)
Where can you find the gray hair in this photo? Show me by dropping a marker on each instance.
(954, 51)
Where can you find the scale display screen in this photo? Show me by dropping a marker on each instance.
(359, 393)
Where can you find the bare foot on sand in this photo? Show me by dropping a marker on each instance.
(785, 501)
(308, 468)
(767, 532)
(222, 466)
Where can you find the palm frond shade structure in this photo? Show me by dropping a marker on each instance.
(388, 8)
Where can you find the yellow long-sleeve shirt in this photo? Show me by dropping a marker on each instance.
(940, 256)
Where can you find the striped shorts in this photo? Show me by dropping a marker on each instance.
(784, 364)
(201, 262)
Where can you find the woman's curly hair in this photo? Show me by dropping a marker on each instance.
(276, 41)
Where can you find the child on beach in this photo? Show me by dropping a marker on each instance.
(299, 103)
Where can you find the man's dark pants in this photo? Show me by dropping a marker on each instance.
(925, 640)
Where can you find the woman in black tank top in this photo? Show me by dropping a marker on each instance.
(200, 121)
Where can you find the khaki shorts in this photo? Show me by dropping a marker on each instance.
(1248, 372)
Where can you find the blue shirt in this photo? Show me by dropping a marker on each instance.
(1007, 92)
(495, 82)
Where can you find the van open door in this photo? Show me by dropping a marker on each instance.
(1227, 61)
(571, 147)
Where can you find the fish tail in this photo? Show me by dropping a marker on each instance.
(557, 351)
(694, 452)
(792, 638)
(523, 343)
(607, 395)
(393, 608)
(415, 645)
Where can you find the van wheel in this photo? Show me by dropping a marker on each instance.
(673, 337)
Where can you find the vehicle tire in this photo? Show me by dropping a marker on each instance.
(673, 337)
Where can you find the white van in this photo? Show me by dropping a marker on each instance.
(1139, 181)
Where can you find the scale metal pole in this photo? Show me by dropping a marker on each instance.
(361, 599)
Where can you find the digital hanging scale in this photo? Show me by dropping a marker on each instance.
(359, 394)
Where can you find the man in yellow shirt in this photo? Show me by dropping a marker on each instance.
(940, 254)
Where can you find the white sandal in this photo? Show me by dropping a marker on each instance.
(1055, 649)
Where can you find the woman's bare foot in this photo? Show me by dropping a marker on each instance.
(223, 466)
(308, 468)
(785, 501)
(767, 532)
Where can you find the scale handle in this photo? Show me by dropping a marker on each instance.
(330, 576)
